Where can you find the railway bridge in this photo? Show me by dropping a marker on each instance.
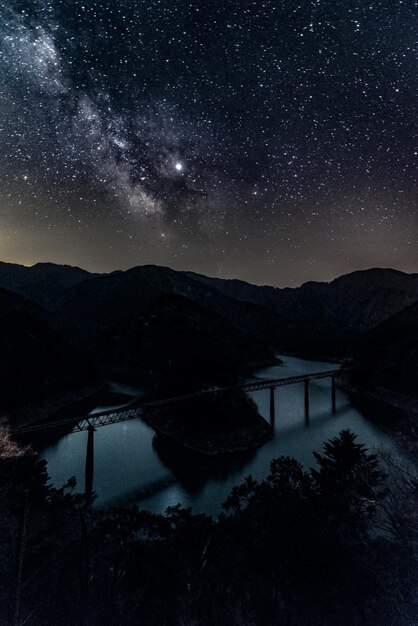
(138, 409)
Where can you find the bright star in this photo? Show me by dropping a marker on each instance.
(179, 166)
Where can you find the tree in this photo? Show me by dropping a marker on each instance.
(348, 478)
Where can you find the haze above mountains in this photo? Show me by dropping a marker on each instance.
(62, 327)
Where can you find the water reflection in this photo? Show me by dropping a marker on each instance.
(132, 465)
(194, 470)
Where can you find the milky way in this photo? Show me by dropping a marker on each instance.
(272, 141)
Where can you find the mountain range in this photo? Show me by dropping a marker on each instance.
(181, 331)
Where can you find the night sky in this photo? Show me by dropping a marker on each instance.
(273, 141)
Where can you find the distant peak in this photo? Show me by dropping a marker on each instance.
(373, 273)
(49, 265)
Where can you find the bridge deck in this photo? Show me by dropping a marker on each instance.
(136, 410)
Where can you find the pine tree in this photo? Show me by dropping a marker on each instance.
(348, 476)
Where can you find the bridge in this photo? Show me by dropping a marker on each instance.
(135, 410)
(138, 409)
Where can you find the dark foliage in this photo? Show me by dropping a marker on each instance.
(386, 358)
(180, 346)
(37, 364)
(297, 548)
(213, 424)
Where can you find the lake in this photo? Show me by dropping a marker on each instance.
(132, 465)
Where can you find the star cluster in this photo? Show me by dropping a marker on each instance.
(271, 141)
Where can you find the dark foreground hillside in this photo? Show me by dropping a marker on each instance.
(334, 545)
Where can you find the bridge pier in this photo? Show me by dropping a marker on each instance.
(334, 394)
(89, 470)
(307, 400)
(272, 407)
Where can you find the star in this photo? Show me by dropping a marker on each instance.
(229, 129)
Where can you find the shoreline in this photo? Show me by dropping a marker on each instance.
(218, 445)
(220, 425)
(60, 404)
(398, 419)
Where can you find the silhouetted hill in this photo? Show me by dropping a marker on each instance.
(113, 297)
(37, 365)
(140, 321)
(351, 303)
(176, 332)
(217, 424)
(11, 301)
(181, 346)
(43, 282)
(141, 328)
(387, 359)
(316, 319)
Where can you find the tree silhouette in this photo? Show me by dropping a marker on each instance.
(349, 478)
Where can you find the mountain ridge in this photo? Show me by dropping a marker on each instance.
(371, 270)
(317, 317)
(145, 322)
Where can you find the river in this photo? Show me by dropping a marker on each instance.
(132, 466)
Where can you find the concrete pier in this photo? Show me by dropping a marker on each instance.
(307, 399)
(272, 407)
(89, 473)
